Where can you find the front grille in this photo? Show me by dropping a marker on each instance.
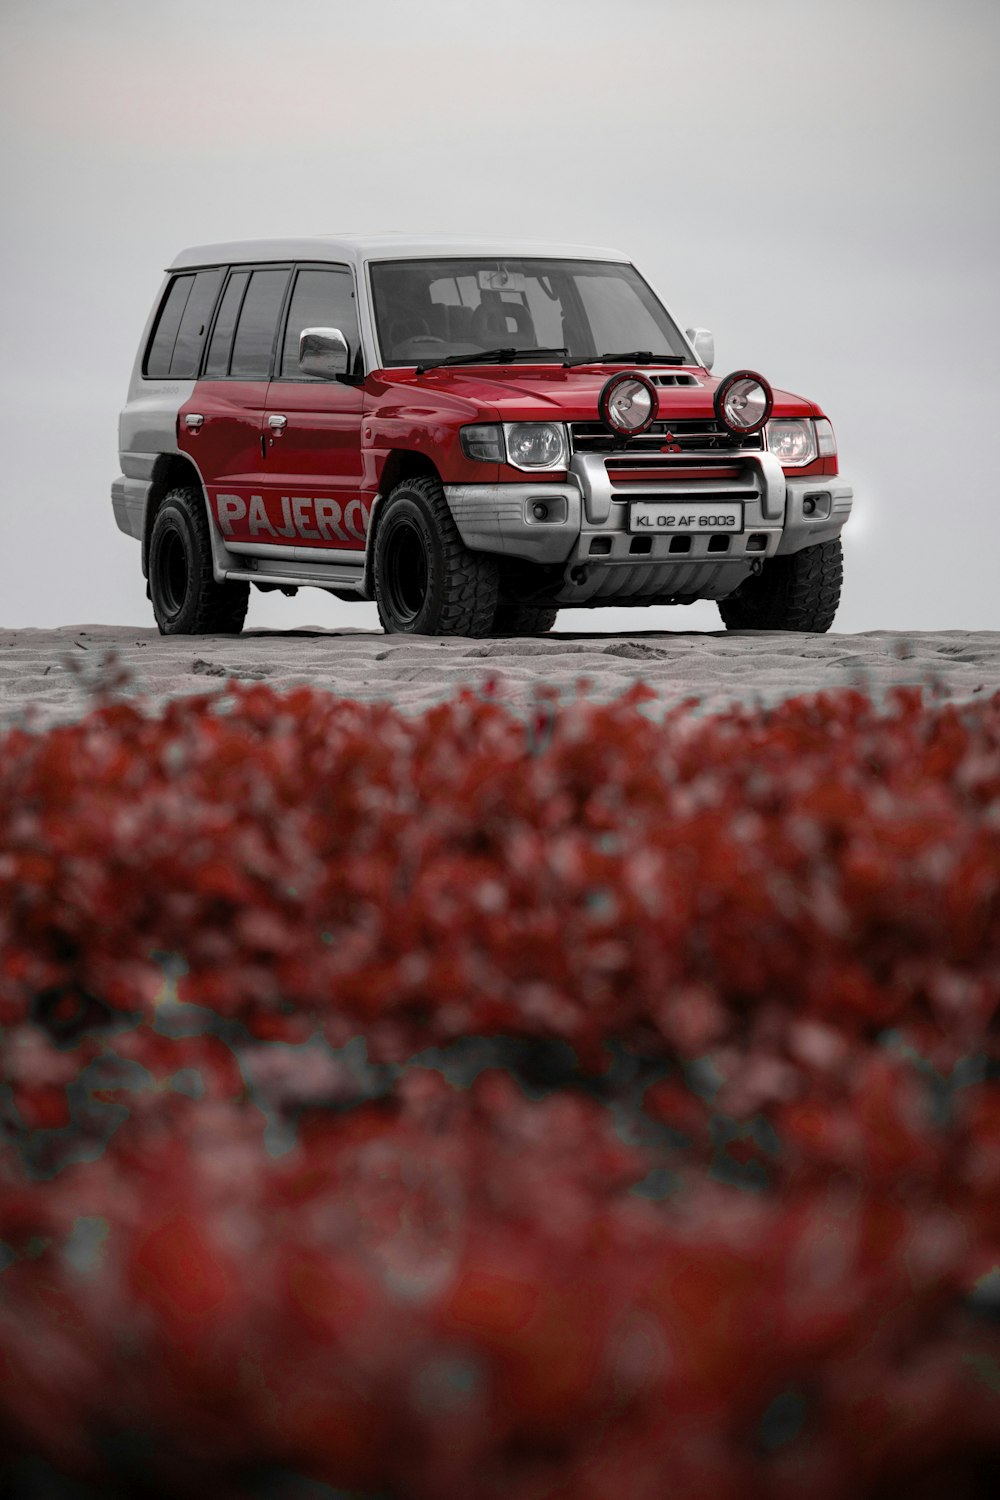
(691, 436)
(643, 469)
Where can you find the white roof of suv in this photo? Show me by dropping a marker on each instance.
(355, 248)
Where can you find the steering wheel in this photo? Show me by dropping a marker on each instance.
(420, 346)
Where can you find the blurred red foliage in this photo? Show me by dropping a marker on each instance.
(453, 1106)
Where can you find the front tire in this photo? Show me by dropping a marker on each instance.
(427, 582)
(185, 596)
(800, 591)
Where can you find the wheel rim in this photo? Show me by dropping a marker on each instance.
(405, 570)
(172, 572)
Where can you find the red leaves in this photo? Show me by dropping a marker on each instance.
(715, 1222)
(177, 1273)
(464, 1278)
(419, 874)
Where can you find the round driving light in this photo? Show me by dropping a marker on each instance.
(540, 510)
(743, 402)
(627, 404)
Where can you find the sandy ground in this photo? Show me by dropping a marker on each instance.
(47, 675)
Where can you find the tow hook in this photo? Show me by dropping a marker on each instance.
(757, 565)
(578, 574)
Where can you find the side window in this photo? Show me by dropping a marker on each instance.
(258, 322)
(194, 324)
(161, 346)
(320, 299)
(217, 364)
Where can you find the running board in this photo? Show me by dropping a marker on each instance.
(266, 570)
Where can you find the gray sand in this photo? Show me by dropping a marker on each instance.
(45, 674)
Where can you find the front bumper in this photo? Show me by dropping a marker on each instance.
(831, 502)
(500, 518)
(584, 529)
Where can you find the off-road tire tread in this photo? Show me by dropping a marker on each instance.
(470, 579)
(799, 592)
(222, 607)
(524, 619)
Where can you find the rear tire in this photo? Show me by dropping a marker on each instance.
(798, 592)
(427, 582)
(185, 596)
(524, 619)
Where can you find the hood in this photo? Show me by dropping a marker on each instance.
(519, 393)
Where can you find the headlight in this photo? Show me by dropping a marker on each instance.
(743, 402)
(792, 441)
(627, 404)
(536, 445)
(483, 442)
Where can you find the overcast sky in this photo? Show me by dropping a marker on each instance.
(815, 180)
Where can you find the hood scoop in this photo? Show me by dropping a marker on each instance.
(671, 377)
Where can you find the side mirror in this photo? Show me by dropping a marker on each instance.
(704, 345)
(323, 352)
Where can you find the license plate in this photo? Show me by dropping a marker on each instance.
(684, 515)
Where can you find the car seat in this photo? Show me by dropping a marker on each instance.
(497, 324)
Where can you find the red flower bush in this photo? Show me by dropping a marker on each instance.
(458, 1106)
(440, 877)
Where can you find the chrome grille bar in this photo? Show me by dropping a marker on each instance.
(691, 436)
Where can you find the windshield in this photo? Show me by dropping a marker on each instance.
(432, 309)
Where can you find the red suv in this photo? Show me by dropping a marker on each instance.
(472, 434)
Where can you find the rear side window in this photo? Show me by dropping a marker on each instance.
(320, 299)
(217, 363)
(257, 325)
(194, 325)
(161, 348)
(179, 336)
(219, 349)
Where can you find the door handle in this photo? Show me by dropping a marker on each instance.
(277, 424)
(193, 421)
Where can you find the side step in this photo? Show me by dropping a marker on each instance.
(323, 575)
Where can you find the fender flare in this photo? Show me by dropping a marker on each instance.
(222, 559)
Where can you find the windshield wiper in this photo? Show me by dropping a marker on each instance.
(630, 357)
(486, 357)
